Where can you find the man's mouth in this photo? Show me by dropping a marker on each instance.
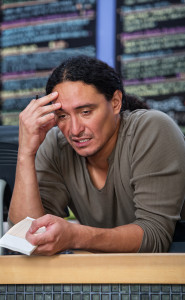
(81, 142)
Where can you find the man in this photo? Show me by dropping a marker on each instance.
(122, 174)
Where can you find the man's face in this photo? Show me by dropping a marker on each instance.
(88, 121)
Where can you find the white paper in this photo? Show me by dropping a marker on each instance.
(15, 238)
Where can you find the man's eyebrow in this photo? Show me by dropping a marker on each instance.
(85, 105)
(89, 105)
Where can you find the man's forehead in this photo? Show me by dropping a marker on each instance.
(77, 95)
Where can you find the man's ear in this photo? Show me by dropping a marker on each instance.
(117, 101)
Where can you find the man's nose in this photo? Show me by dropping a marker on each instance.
(77, 126)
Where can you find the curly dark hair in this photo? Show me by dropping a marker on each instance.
(94, 72)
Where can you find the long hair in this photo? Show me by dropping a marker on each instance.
(93, 72)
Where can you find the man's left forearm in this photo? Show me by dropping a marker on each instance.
(61, 235)
(126, 238)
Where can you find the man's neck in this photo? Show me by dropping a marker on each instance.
(100, 159)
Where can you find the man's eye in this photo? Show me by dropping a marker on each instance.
(63, 116)
(86, 112)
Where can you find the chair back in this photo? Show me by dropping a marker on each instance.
(8, 161)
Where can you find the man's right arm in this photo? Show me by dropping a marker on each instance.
(26, 197)
(34, 122)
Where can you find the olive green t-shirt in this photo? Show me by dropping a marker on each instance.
(145, 184)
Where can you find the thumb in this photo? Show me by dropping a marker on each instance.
(38, 225)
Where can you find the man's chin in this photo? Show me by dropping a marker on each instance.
(85, 152)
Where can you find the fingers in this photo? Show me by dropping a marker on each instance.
(40, 111)
(38, 238)
(45, 220)
(49, 122)
(44, 100)
(35, 121)
(53, 240)
(45, 249)
(39, 233)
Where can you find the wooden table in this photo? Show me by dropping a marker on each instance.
(106, 276)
